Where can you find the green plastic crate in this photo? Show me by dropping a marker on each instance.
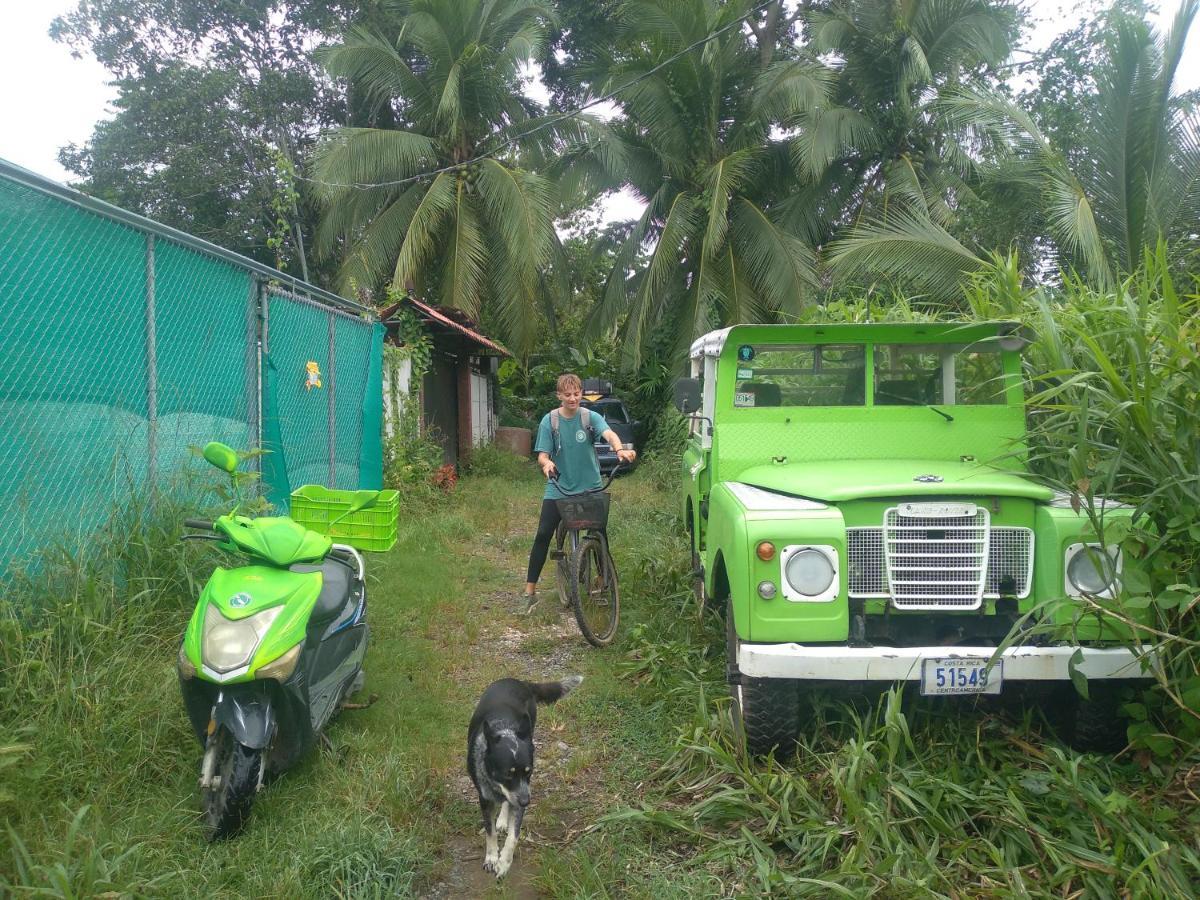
(374, 528)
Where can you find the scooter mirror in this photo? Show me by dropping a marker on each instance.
(221, 456)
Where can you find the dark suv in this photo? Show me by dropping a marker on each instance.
(597, 395)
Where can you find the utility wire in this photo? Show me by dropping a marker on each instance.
(569, 114)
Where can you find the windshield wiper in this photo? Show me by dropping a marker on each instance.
(944, 415)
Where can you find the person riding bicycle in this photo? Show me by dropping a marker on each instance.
(565, 445)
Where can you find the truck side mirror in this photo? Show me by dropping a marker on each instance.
(687, 395)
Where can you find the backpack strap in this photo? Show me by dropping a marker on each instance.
(554, 432)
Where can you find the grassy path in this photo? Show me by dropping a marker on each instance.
(387, 810)
(903, 798)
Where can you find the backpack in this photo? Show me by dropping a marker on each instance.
(587, 425)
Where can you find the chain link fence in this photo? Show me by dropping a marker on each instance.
(125, 343)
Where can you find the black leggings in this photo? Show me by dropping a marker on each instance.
(547, 525)
(541, 543)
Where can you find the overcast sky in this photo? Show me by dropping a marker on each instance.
(49, 99)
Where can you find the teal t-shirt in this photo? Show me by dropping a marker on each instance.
(576, 463)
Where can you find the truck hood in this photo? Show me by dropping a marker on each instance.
(835, 481)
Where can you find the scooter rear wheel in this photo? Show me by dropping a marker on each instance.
(227, 804)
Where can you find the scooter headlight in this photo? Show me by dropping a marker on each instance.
(282, 668)
(186, 669)
(229, 644)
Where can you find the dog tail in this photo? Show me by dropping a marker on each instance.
(550, 691)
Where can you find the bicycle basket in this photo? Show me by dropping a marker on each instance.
(584, 511)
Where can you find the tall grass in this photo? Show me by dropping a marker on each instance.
(1115, 392)
(917, 800)
(907, 797)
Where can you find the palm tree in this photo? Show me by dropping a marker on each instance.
(698, 151)
(1134, 177)
(479, 237)
(879, 152)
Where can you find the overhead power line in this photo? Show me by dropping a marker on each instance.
(569, 114)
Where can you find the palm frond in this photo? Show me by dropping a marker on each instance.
(795, 86)
(375, 67)
(372, 251)
(1074, 224)
(914, 68)
(520, 210)
(420, 239)
(722, 181)
(449, 102)
(828, 134)
(909, 249)
(354, 156)
(465, 255)
(780, 266)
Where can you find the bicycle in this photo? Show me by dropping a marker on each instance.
(587, 577)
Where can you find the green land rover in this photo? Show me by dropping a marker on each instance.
(858, 504)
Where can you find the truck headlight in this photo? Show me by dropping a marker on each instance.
(809, 572)
(1092, 569)
(229, 644)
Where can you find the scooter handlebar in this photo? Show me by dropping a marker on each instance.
(202, 524)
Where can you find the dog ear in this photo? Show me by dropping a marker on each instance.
(489, 730)
(525, 728)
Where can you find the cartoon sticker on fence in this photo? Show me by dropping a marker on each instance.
(313, 377)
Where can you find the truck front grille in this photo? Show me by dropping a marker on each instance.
(925, 566)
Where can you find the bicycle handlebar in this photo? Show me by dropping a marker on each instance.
(604, 487)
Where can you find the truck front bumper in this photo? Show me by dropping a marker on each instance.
(826, 663)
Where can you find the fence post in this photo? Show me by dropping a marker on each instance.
(332, 407)
(254, 332)
(151, 369)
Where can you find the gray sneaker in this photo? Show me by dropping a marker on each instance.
(526, 602)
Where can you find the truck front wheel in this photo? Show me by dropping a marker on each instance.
(766, 711)
(1098, 726)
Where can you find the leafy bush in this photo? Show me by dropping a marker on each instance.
(1119, 373)
(493, 460)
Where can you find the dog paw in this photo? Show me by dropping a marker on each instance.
(501, 867)
(490, 863)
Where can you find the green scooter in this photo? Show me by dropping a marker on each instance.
(273, 649)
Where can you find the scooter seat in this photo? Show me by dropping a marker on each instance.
(335, 589)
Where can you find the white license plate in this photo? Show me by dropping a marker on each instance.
(960, 676)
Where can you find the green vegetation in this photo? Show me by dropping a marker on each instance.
(1113, 415)
(838, 160)
(897, 797)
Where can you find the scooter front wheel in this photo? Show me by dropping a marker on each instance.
(234, 780)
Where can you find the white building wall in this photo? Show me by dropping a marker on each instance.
(397, 378)
(483, 415)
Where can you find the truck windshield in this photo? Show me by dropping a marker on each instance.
(938, 374)
(800, 375)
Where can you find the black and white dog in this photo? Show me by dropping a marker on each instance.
(500, 758)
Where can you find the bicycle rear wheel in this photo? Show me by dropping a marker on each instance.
(596, 598)
(565, 544)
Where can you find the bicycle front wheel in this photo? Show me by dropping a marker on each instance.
(565, 544)
(595, 597)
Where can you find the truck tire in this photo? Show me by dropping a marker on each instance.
(766, 711)
(1097, 725)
